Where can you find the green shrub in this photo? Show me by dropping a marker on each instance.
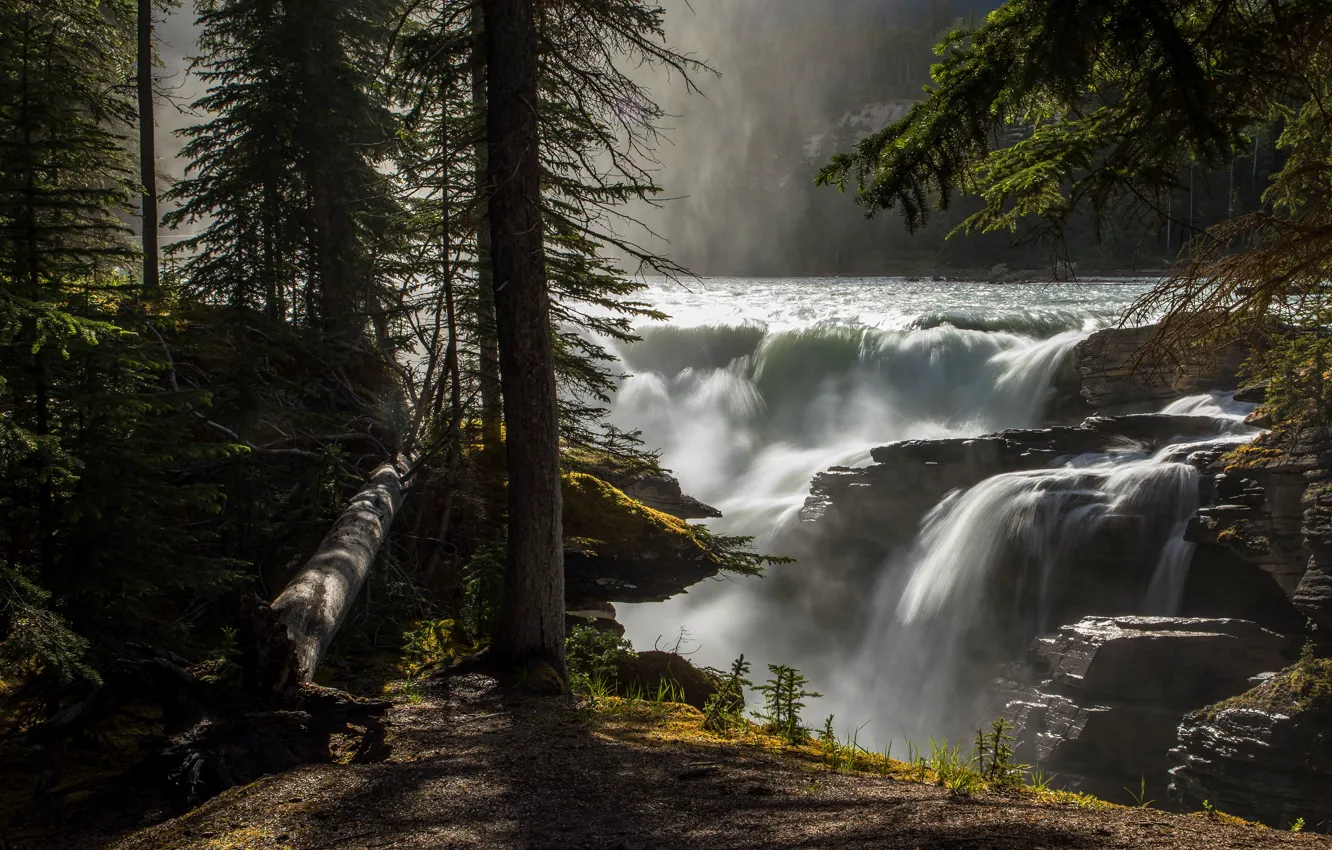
(784, 697)
(724, 710)
(592, 657)
(483, 590)
(994, 756)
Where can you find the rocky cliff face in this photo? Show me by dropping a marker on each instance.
(1105, 373)
(1267, 754)
(1098, 702)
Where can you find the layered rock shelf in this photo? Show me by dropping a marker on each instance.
(1107, 373)
(1267, 754)
(1262, 756)
(874, 508)
(1098, 702)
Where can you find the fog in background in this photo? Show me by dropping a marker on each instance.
(799, 82)
(738, 162)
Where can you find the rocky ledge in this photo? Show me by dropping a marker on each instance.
(1098, 702)
(1265, 755)
(618, 549)
(872, 509)
(1106, 373)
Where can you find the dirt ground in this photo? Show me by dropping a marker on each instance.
(475, 767)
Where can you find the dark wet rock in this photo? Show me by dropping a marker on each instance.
(1098, 702)
(672, 676)
(653, 576)
(1260, 418)
(1313, 598)
(1259, 515)
(1112, 378)
(1313, 595)
(1253, 393)
(1265, 755)
(1157, 429)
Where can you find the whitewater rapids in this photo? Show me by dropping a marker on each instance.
(756, 386)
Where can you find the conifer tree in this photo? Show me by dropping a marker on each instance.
(285, 175)
(1122, 102)
(94, 520)
(531, 617)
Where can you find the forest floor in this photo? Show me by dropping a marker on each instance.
(475, 766)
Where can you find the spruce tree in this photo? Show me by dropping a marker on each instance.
(297, 214)
(1117, 104)
(531, 618)
(92, 442)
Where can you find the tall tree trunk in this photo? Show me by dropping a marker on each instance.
(148, 149)
(488, 359)
(315, 603)
(451, 357)
(531, 618)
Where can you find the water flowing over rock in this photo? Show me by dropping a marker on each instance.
(1098, 702)
(874, 508)
(928, 565)
(1112, 377)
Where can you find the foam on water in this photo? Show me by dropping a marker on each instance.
(756, 386)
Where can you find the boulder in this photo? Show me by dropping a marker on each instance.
(1098, 702)
(1117, 378)
(650, 673)
(1265, 755)
(1253, 393)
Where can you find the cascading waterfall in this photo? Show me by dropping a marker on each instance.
(1000, 553)
(760, 386)
(747, 416)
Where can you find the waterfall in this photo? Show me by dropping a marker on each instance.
(746, 416)
(990, 565)
(760, 386)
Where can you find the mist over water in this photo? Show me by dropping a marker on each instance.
(755, 386)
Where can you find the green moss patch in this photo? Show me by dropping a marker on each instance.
(1304, 688)
(601, 520)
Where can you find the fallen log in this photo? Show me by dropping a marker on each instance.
(315, 603)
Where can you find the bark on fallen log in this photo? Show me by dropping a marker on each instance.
(317, 600)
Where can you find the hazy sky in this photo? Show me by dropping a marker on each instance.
(786, 71)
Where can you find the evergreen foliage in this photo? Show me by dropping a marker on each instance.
(724, 710)
(94, 445)
(593, 656)
(1051, 108)
(328, 307)
(284, 178)
(784, 697)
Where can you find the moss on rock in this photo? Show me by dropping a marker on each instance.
(1304, 688)
(602, 521)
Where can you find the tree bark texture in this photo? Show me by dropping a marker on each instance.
(531, 619)
(148, 149)
(488, 354)
(315, 603)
